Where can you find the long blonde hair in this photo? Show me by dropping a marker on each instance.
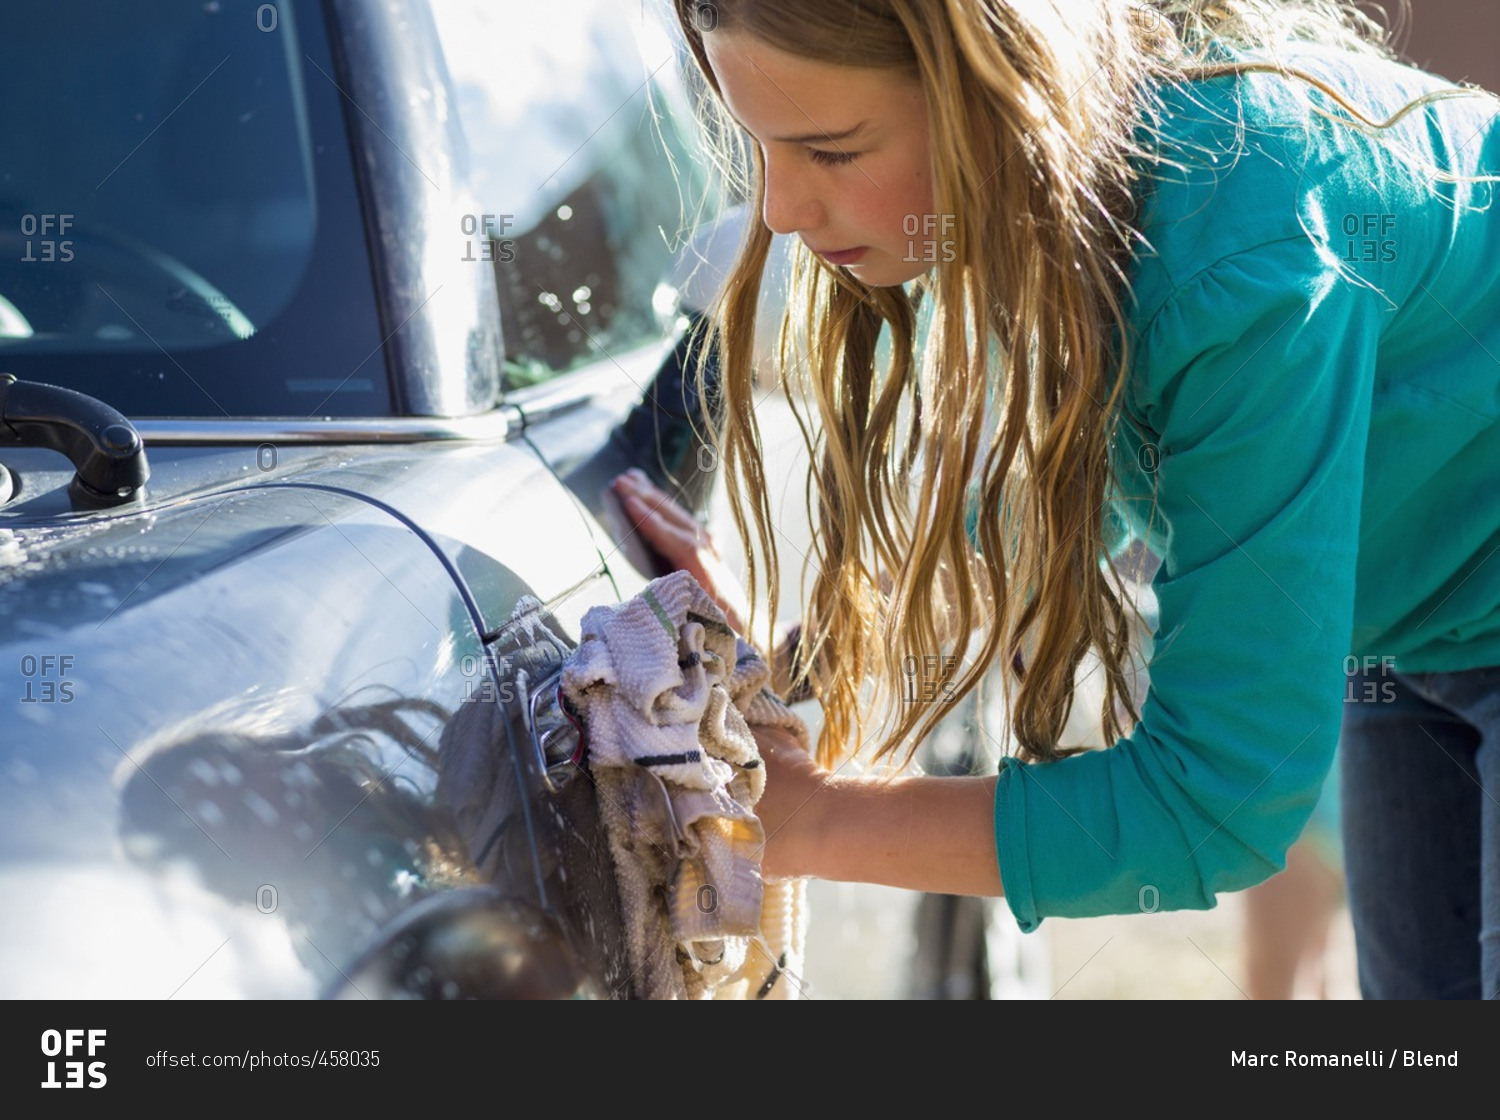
(1033, 107)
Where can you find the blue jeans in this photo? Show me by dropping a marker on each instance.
(1420, 775)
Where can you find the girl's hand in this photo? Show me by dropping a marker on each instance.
(683, 542)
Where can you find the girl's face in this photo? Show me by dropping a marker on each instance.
(845, 152)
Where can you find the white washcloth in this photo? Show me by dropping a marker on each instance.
(667, 694)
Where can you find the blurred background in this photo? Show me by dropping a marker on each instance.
(1454, 38)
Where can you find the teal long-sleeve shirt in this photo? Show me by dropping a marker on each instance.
(1310, 444)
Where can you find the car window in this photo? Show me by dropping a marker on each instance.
(179, 229)
(577, 125)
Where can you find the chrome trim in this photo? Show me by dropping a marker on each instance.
(495, 426)
(557, 741)
(522, 407)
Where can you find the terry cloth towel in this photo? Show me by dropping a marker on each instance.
(667, 694)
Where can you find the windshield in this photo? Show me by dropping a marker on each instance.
(179, 230)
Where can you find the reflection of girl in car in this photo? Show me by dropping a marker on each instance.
(361, 832)
(1190, 266)
(310, 814)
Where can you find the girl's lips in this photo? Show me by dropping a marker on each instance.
(845, 256)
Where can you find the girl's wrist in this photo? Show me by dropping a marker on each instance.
(818, 847)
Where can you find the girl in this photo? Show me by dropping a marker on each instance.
(1215, 277)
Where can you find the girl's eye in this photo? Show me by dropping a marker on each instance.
(823, 157)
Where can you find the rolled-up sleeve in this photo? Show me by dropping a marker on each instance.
(1254, 380)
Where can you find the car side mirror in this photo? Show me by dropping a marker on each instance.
(103, 446)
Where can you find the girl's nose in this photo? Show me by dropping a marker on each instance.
(789, 206)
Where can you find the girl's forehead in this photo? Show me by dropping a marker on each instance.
(782, 96)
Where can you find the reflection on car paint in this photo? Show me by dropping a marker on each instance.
(320, 828)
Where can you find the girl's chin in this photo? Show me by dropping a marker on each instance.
(883, 272)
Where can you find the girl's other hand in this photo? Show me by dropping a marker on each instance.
(683, 543)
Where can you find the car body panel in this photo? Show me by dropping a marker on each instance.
(250, 614)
